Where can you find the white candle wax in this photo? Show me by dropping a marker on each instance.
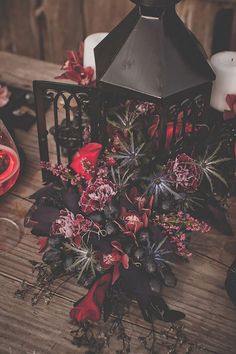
(224, 65)
(89, 44)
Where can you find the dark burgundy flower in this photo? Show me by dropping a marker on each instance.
(89, 307)
(185, 173)
(231, 101)
(85, 159)
(110, 161)
(115, 258)
(133, 222)
(74, 69)
(97, 195)
(140, 202)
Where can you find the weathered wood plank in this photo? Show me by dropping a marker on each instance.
(199, 16)
(45, 329)
(20, 71)
(104, 15)
(46, 29)
(62, 28)
(19, 28)
(41, 29)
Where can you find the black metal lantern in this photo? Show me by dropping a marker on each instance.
(150, 57)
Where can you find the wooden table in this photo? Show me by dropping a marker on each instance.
(210, 321)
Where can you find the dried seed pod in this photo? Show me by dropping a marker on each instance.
(139, 254)
(52, 256)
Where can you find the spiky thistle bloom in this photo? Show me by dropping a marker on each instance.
(121, 179)
(129, 155)
(158, 251)
(159, 184)
(125, 121)
(85, 259)
(209, 164)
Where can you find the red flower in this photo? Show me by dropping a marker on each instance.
(139, 201)
(97, 195)
(74, 69)
(89, 307)
(178, 131)
(133, 222)
(153, 130)
(185, 173)
(42, 243)
(231, 101)
(4, 95)
(110, 161)
(115, 258)
(85, 160)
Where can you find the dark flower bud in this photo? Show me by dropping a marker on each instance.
(56, 241)
(143, 236)
(112, 211)
(57, 268)
(150, 266)
(97, 217)
(52, 256)
(155, 285)
(168, 277)
(139, 254)
(111, 228)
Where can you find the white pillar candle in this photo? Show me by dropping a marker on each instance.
(224, 65)
(89, 44)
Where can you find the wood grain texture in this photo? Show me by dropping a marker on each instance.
(62, 28)
(26, 70)
(46, 29)
(104, 15)
(210, 316)
(18, 27)
(199, 16)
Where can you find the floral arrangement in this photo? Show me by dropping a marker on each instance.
(120, 216)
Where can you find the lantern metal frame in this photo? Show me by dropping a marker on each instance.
(96, 100)
(54, 92)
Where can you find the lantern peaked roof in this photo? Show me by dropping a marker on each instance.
(151, 52)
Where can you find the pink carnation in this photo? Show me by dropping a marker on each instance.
(184, 173)
(70, 226)
(97, 195)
